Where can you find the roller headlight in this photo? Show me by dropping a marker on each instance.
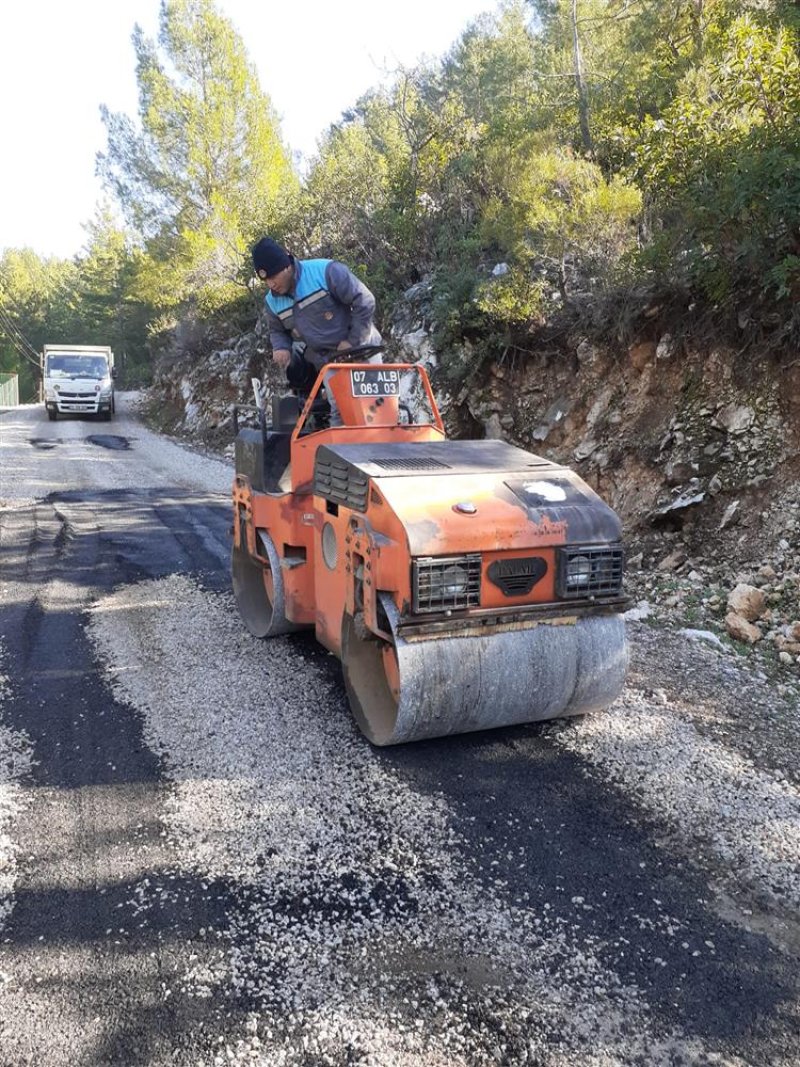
(454, 581)
(578, 572)
(446, 583)
(590, 571)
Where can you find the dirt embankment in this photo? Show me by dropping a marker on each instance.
(699, 452)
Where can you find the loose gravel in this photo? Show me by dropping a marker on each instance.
(360, 935)
(15, 762)
(707, 794)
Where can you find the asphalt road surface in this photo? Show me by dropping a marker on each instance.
(203, 862)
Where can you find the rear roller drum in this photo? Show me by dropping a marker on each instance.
(259, 589)
(409, 690)
(372, 679)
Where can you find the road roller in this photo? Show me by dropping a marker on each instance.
(464, 585)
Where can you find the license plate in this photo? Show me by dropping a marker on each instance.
(375, 382)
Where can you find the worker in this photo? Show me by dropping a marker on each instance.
(319, 301)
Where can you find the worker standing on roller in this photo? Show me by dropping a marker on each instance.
(318, 301)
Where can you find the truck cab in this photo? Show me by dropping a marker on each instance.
(79, 380)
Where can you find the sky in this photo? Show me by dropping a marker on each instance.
(59, 62)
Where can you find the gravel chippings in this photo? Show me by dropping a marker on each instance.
(710, 795)
(15, 762)
(359, 934)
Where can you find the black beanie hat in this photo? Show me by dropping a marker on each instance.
(270, 257)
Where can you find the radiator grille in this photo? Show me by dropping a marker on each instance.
(446, 583)
(590, 571)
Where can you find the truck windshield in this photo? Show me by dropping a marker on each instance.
(76, 367)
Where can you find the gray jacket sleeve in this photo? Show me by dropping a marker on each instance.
(278, 337)
(345, 287)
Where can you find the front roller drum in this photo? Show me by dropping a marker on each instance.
(258, 589)
(411, 690)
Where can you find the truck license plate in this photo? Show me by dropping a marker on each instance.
(375, 382)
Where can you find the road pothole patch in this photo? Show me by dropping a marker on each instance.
(44, 443)
(109, 440)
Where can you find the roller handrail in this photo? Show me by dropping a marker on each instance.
(328, 367)
(261, 414)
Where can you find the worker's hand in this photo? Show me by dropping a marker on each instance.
(281, 356)
(343, 346)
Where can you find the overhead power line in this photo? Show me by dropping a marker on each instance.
(20, 342)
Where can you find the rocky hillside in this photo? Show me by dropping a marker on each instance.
(696, 448)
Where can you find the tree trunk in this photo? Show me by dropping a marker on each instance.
(580, 85)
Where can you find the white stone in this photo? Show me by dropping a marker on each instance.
(665, 347)
(705, 636)
(642, 611)
(585, 448)
(736, 418)
(730, 514)
(418, 345)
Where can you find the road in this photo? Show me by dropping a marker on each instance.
(203, 862)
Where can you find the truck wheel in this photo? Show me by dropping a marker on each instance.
(106, 416)
(52, 414)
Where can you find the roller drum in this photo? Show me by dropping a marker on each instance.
(258, 589)
(451, 685)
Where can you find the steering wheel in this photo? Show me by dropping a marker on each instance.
(361, 353)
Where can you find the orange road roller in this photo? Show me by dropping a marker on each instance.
(464, 585)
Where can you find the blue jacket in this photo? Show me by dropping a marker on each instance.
(328, 305)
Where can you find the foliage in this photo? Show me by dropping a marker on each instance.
(634, 54)
(563, 156)
(723, 168)
(205, 171)
(107, 289)
(558, 212)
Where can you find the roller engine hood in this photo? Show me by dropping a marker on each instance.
(492, 493)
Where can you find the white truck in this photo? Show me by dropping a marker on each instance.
(78, 379)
